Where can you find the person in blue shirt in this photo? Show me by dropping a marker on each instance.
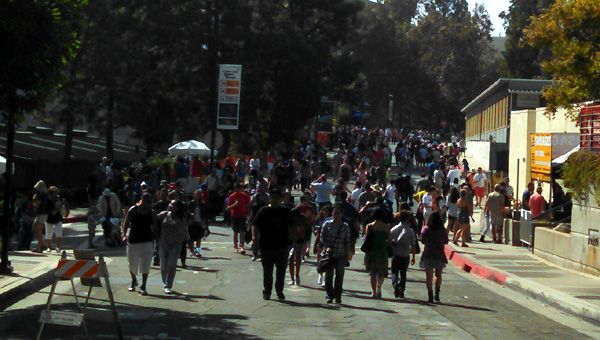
(323, 191)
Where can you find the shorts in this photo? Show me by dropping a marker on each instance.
(497, 220)
(238, 224)
(479, 191)
(53, 227)
(40, 219)
(297, 251)
(139, 256)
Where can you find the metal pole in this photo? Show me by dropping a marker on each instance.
(214, 70)
(5, 267)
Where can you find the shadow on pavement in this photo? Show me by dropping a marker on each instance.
(136, 321)
(184, 297)
(202, 269)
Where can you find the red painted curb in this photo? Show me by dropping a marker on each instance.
(473, 267)
(75, 219)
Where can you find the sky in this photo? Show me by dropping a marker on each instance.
(494, 7)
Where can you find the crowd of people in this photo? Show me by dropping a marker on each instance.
(294, 202)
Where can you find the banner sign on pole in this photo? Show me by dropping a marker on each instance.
(541, 156)
(230, 86)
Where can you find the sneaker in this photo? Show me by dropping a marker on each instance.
(58, 250)
(143, 291)
(266, 296)
(134, 284)
(338, 300)
(168, 290)
(329, 300)
(253, 259)
(243, 251)
(291, 283)
(235, 250)
(280, 296)
(323, 283)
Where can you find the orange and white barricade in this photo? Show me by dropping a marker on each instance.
(90, 273)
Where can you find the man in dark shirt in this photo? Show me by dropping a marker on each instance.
(274, 223)
(527, 195)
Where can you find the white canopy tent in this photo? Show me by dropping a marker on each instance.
(190, 148)
(563, 158)
(3, 165)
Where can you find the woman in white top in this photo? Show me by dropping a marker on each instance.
(452, 209)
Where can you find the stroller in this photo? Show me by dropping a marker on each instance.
(110, 229)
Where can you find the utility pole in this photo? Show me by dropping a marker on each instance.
(5, 267)
(213, 68)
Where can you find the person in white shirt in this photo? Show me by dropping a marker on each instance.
(452, 174)
(480, 185)
(323, 191)
(427, 202)
(403, 246)
(438, 177)
(358, 189)
(390, 194)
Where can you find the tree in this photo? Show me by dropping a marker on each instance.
(572, 29)
(38, 39)
(523, 60)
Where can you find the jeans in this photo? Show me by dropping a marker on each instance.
(168, 262)
(277, 258)
(334, 291)
(399, 264)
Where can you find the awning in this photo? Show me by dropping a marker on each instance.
(563, 158)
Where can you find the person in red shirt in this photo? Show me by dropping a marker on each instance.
(239, 207)
(537, 203)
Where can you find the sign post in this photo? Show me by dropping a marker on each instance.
(228, 106)
(541, 156)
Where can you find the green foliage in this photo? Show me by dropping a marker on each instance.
(581, 173)
(38, 39)
(523, 60)
(572, 29)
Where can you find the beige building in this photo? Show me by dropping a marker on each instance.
(523, 123)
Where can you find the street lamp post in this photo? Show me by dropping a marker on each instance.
(5, 267)
(391, 108)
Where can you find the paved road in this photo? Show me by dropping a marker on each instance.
(219, 296)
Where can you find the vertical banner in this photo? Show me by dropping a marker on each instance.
(230, 88)
(541, 156)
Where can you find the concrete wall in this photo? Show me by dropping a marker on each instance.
(569, 250)
(478, 154)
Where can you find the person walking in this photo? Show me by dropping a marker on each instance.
(494, 207)
(403, 246)
(322, 190)
(239, 207)
(481, 184)
(433, 259)
(56, 213)
(139, 221)
(452, 212)
(274, 223)
(335, 237)
(173, 232)
(377, 239)
(41, 203)
(465, 211)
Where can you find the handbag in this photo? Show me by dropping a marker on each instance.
(324, 263)
(366, 246)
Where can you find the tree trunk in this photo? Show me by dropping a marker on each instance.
(110, 126)
(68, 146)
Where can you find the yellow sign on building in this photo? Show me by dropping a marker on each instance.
(541, 156)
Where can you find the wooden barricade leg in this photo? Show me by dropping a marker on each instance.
(88, 296)
(79, 309)
(104, 273)
(48, 303)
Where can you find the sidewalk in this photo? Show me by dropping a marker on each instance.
(33, 271)
(516, 268)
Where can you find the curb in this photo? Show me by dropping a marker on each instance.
(549, 296)
(75, 219)
(554, 298)
(473, 267)
(23, 290)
